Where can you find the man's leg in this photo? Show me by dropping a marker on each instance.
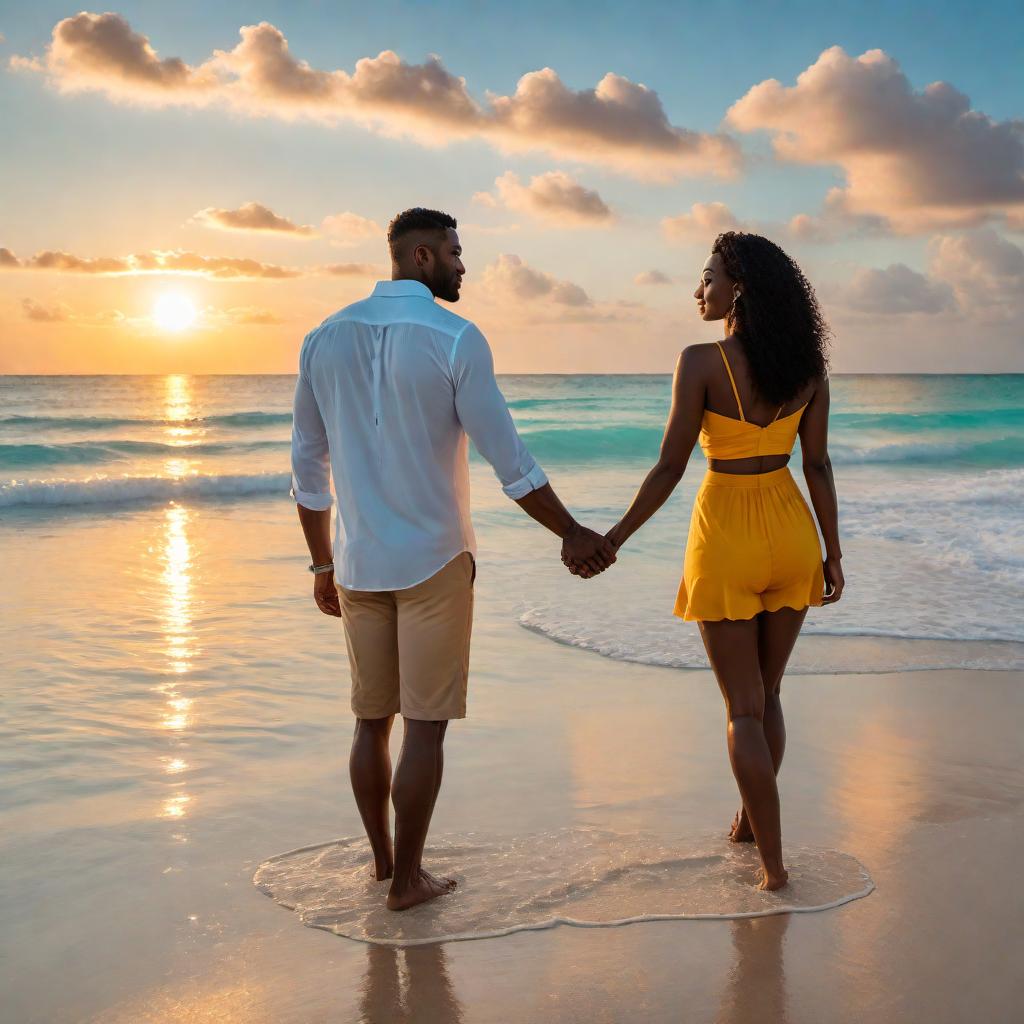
(369, 767)
(434, 625)
(414, 792)
(371, 632)
(440, 764)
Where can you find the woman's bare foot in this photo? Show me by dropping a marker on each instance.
(382, 872)
(425, 887)
(741, 832)
(770, 881)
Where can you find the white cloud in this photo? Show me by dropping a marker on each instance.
(45, 314)
(63, 313)
(649, 277)
(704, 222)
(510, 277)
(984, 270)
(897, 290)
(921, 160)
(354, 270)
(240, 316)
(555, 197)
(252, 217)
(618, 123)
(156, 261)
(349, 228)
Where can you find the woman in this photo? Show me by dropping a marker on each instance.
(753, 562)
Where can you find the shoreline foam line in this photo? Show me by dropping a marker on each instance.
(1011, 647)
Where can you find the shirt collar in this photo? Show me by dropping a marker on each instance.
(401, 289)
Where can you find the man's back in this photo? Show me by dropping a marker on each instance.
(388, 388)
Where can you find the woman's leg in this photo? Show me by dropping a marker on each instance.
(776, 635)
(732, 649)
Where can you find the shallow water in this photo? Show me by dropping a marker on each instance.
(582, 877)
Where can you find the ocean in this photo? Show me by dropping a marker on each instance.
(929, 470)
(175, 715)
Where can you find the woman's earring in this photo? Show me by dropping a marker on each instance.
(732, 310)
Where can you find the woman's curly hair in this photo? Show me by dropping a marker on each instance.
(776, 318)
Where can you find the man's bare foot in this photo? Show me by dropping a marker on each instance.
(438, 880)
(741, 832)
(770, 881)
(425, 887)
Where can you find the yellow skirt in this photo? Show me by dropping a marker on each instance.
(752, 547)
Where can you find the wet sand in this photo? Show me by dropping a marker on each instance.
(918, 775)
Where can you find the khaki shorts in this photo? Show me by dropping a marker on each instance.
(409, 649)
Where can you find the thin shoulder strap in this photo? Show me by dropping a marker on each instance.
(779, 413)
(732, 380)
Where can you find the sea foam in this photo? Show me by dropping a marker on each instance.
(138, 489)
(583, 877)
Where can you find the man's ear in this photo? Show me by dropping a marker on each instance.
(422, 256)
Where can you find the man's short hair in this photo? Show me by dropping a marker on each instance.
(417, 219)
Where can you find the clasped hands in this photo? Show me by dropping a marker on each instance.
(586, 553)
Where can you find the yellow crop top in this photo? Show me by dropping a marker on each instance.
(724, 437)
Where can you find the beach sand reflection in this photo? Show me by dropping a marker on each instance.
(427, 995)
(756, 989)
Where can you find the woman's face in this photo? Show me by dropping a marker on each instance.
(715, 292)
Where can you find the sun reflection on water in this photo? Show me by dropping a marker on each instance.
(176, 584)
(177, 581)
(178, 400)
(179, 427)
(174, 807)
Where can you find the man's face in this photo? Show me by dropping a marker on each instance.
(447, 270)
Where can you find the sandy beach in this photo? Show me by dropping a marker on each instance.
(916, 774)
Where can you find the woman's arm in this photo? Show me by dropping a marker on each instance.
(688, 387)
(822, 486)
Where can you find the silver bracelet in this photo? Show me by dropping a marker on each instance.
(317, 569)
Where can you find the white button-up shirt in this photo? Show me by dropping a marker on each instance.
(388, 389)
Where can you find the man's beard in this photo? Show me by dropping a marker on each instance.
(449, 291)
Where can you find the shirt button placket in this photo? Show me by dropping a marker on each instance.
(378, 343)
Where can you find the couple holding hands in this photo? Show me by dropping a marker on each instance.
(388, 390)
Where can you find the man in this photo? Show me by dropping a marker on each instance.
(388, 389)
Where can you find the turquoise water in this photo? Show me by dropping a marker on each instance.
(930, 472)
(124, 423)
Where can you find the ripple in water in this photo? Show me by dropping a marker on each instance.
(581, 877)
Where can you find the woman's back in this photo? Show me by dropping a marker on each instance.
(740, 432)
(752, 407)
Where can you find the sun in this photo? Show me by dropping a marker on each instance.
(174, 312)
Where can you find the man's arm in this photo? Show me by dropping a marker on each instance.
(482, 410)
(311, 488)
(581, 547)
(316, 525)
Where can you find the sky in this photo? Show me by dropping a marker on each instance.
(190, 188)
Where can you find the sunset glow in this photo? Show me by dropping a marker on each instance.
(256, 169)
(174, 312)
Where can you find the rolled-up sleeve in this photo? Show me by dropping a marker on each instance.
(311, 461)
(484, 415)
